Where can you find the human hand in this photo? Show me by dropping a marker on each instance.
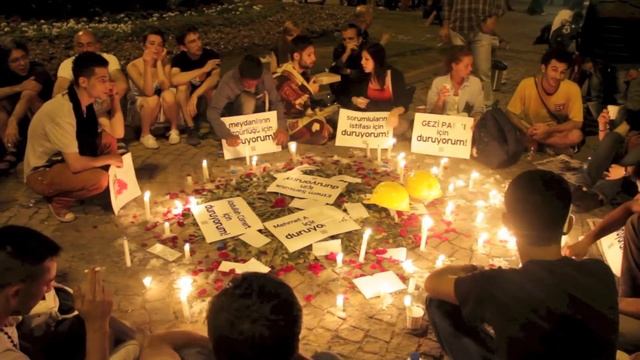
(192, 105)
(163, 55)
(148, 57)
(444, 92)
(538, 131)
(603, 119)
(115, 94)
(632, 74)
(281, 137)
(444, 34)
(114, 159)
(615, 172)
(314, 85)
(360, 102)
(211, 65)
(93, 301)
(30, 84)
(11, 135)
(578, 249)
(233, 140)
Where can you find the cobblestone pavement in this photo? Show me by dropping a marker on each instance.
(367, 331)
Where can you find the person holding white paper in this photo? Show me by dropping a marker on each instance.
(552, 307)
(384, 89)
(457, 92)
(65, 149)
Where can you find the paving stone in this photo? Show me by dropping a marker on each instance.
(330, 322)
(381, 331)
(373, 346)
(351, 333)
(344, 348)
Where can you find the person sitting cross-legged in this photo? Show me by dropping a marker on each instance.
(552, 307)
(150, 76)
(66, 151)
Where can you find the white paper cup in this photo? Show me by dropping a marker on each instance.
(613, 111)
(415, 314)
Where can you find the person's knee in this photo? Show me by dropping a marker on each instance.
(151, 104)
(168, 98)
(574, 137)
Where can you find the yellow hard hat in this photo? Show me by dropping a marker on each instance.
(390, 195)
(423, 186)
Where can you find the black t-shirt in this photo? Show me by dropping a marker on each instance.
(40, 75)
(559, 309)
(183, 62)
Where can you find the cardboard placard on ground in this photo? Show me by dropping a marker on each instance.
(256, 132)
(377, 284)
(226, 218)
(308, 226)
(307, 187)
(611, 247)
(123, 184)
(442, 135)
(357, 129)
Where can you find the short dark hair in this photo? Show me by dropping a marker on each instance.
(257, 316)
(299, 44)
(455, 55)
(84, 65)
(250, 67)
(22, 253)
(156, 32)
(184, 32)
(557, 54)
(349, 26)
(7, 45)
(537, 202)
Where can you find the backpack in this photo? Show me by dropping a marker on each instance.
(497, 142)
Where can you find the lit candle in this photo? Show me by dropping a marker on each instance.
(408, 266)
(494, 197)
(505, 235)
(340, 302)
(448, 212)
(407, 301)
(205, 171)
(399, 168)
(147, 282)
(167, 229)
(392, 142)
(189, 184)
(178, 209)
(246, 155)
(193, 203)
(339, 258)
(293, 147)
(435, 171)
(443, 164)
(427, 222)
(440, 261)
(402, 164)
(482, 239)
(363, 245)
(451, 188)
(480, 218)
(412, 285)
(472, 177)
(254, 163)
(127, 254)
(379, 154)
(385, 295)
(187, 252)
(368, 150)
(147, 205)
(407, 306)
(185, 284)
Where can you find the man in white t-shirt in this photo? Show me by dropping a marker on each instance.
(28, 263)
(84, 41)
(66, 151)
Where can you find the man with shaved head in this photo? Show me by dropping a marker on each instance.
(84, 41)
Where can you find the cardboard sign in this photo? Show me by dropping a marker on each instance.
(256, 132)
(123, 184)
(226, 218)
(306, 227)
(357, 129)
(442, 135)
(611, 247)
(378, 284)
(307, 187)
(252, 265)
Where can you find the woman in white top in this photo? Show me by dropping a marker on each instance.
(150, 76)
(458, 92)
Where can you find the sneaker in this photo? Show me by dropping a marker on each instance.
(174, 137)
(64, 216)
(193, 137)
(584, 201)
(149, 141)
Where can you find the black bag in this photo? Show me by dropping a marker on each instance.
(497, 142)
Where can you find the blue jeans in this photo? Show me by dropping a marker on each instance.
(609, 151)
(458, 339)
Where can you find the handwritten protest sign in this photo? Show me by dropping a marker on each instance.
(226, 218)
(303, 186)
(611, 247)
(357, 129)
(123, 184)
(306, 227)
(256, 132)
(442, 135)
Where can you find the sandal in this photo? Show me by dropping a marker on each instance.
(8, 163)
(65, 217)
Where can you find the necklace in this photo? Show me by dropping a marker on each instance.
(8, 336)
